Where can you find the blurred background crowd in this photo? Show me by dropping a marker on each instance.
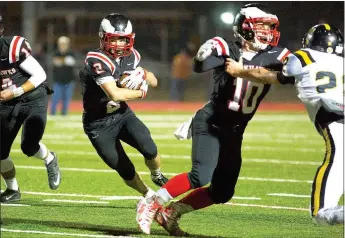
(168, 35)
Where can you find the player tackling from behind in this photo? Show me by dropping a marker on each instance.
(318, 71)
(107, 119)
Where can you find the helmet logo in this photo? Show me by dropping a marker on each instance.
(329, 50)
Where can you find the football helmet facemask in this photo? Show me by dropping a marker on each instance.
(325, 38)
(256, 26)
(113, 27)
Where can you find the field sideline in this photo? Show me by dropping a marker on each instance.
(281, 152)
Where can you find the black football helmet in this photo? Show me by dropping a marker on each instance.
(248, 26)
(112, 26)
(1, 26)
(325, 38)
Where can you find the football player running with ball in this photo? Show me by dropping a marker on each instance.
(318, 74)
(217, 128)
(107, 118)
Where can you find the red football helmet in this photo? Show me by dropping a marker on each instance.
(113, 27)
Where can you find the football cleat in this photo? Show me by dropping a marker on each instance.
(159, 180)
(168, 218)
(146, 211)
(330, 216)
(10, 196)
(54, 174)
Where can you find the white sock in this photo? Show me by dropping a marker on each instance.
(12, 184)
(44, 154)
(163, 196)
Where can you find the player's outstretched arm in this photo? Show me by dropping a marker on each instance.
(123, 94)
(258, 75)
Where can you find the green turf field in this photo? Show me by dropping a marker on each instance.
(280, 155)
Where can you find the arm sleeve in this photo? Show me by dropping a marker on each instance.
(32, 67)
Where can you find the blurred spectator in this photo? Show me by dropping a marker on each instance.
(63, 75)
(181, 71)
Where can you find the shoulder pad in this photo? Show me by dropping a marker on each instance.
(227, 48)
(97, 57)
(292, 66)
(14, 49)
(304, 57)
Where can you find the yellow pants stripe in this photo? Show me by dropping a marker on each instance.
(318, 186)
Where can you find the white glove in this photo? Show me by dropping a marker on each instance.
(206, 49)
(144, 87)
(135, 78)
(184, 131)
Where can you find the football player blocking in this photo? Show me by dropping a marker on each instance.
(107, 118)
(217, 128)
(23, 102)
(318, 74)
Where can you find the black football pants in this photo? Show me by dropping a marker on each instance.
(31, 112)
(216, 156)
(105, 135)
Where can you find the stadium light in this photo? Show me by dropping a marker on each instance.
(227, 17)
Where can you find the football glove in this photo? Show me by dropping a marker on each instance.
(135, 78)
(206, 50)
(144, 87)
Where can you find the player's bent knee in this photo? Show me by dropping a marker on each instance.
(29, 149)
(198, 179)
(222, 197)
(150, 151)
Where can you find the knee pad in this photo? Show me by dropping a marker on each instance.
(222, 196)
(198, 179)
(6, 165)
(150, 151)
(29, 148)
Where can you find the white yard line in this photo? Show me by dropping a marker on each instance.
(183, 117)
(168, 174)
(288, 195)
(108, 197)
(59, 233)
(14, 205)
(74, 201)
(186, 157)
(266, 206)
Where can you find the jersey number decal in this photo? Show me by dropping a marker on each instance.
(326, 80)
(249, 101)
(97, 67)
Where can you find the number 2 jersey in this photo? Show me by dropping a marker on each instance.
(235, 100)
(13, 51)
(100, 68)
(319, 80)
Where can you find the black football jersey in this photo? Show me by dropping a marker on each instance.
(14, 50)
(99, 66)
(235, 100)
